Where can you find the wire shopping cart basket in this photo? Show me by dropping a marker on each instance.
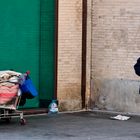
(10, 95)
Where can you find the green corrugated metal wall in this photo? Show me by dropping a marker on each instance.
(27, 42)
(47, 49)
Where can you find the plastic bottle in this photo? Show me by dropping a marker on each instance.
(53, 108)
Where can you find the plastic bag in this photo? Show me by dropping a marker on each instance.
(28, 89)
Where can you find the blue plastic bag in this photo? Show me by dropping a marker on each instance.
(28, 89)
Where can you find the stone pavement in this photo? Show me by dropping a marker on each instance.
(71, 126)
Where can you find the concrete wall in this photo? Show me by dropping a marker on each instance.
(115, 49)
(69, 54)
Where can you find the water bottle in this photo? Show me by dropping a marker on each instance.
(53, 108)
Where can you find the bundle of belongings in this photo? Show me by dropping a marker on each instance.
(14, 83)
(8, 86)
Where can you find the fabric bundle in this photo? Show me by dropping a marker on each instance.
(8, 86)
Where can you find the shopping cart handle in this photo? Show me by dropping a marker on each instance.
(28, 72)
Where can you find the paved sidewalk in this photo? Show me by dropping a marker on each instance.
(71, 126)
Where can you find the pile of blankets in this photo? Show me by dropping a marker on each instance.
(9, 86)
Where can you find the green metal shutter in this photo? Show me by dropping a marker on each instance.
(47, 49)
(21, 47)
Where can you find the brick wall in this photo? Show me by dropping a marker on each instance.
(115, 48)
(69, 54)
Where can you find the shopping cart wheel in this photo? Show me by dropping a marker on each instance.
(22, 121)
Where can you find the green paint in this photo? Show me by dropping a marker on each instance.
(47, 50)
(21, 47)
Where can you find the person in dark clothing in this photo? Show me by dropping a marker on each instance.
(137, 67)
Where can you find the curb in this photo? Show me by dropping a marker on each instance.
(103, 113)
(113, 113)
(34, 111)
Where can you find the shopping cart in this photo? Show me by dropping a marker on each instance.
(10, 95)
